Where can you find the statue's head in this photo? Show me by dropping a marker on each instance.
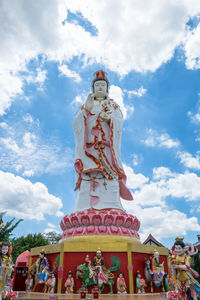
(42, 254)
(179, 246)
(5, 246)
(100, 84)
(99, 253)
(156, 254)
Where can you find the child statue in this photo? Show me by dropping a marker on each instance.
(51, 283)
(140, 283)
(69, 284)
(121, 284)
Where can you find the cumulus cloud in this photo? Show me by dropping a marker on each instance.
(150, 201)
(161, 221)
(116, 93)
(23, 199)
(139, 93)
(24, 152)
(189, 161)
(160, 140)
(64, 70)
(192, 49)
(138, 36)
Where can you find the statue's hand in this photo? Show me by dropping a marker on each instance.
(89, 102)
(105, 116)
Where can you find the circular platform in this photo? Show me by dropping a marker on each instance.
(100, 222)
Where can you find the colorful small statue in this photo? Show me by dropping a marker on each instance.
(30, 282)
(140, 283)
(121, 284)
(51, 283)
(69, 284)
(180, 261)
(42, 270)
(5, 264)
(157, 269)
(95, 272)
(101, 273)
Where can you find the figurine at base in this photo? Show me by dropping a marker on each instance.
(30, 282)
(121, 284)
(51, 283)
(95, 272)
(158, 270)
(42, 273)
(185, 283)
(140, 283)
(69, 284)
(5, 264)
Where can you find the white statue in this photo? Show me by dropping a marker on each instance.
(97, 126)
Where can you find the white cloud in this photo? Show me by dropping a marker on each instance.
(163, 140)
(116, 93)
(161, 221)
(69, 73)
(150, 202)
(139, 93)
(51, 225)
(189, 161)
(195, 118)
(23, 199)
(192, 49)
(138, 36)
(25, 152)
(134, 180)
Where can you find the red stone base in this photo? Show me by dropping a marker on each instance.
(100, 222)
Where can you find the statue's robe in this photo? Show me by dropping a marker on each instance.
(100, 177)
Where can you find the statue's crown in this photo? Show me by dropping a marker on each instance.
(179, 239)
(100, 75)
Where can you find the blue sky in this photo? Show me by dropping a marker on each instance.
(151, 52)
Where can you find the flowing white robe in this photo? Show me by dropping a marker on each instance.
(100, 177)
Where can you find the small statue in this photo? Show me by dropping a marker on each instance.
(158, 270)
(101, 273)
(121, 284)
(42, 270)
(140, 283)
(69, 284)
(30, 282)
(51, 283)
(180, 261)
(5, 264)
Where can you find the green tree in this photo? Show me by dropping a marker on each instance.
(7, 229)
(196, 264)
(53, 237)
(22, 243)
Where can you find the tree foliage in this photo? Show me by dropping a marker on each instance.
(22, 243)
(7, 229)
(196, 264)
(53, 237)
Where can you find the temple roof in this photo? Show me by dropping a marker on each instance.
(152, 241)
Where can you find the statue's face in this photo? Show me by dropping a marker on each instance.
(41, 255)
(179, 250)
(156, 254)
(4, 250)
(100, 89)
(98, 254)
